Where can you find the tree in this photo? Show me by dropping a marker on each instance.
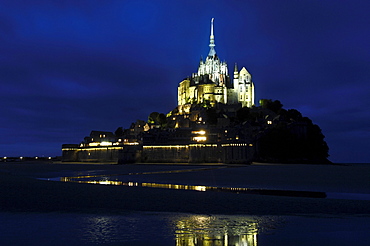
(153, 117)
(272, 105)
(293, 139)
(293, 114)
(277, 144)
(211, 116)
(161, 120)
(316, 147)
(119, 132)
(243, 114)
(158, 119)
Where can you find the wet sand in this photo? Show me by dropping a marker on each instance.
(21, 192)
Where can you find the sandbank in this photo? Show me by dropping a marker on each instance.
(21, 191)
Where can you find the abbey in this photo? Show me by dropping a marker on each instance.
(215, 121)
(212, 83)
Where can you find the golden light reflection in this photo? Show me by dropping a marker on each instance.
(238, 190)
(136, 184)
(107, 179)
(210, 230)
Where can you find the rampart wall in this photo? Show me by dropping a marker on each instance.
(192, 153)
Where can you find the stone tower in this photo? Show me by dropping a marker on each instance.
(212, 83)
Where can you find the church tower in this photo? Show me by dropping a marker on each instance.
(211, 84)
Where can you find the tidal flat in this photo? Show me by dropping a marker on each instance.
(30, 193)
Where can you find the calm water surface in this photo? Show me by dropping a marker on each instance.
(144, 228)
(180, 229)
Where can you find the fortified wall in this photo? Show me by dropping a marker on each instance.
(190, 153)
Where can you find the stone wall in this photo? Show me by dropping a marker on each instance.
(193, 153)
(198, 153)
(167, 154)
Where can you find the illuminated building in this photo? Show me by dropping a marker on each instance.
(189, 134)
(212, 83)
(215, 121)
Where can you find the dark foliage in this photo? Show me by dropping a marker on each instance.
(291, 138)
(119, 132)
(211, 116)
(279, 135)
(275, 106)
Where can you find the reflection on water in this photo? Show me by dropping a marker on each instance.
(131, 229)
(238, 190)
(201, 230)
(94, 173)
(162, 229)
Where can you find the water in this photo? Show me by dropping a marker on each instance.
(144, 228)
(180, 229)
(96, 177)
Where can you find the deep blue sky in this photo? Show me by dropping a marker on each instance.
(69, 67)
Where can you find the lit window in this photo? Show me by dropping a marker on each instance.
(269, 122)
(105, 143)
(200, 188)
(201, 132)
(200, 139)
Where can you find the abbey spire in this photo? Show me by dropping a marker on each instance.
(212, 83)
(212, 45)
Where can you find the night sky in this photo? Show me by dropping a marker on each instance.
(69, 67)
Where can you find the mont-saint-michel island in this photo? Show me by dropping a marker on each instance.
(225, 166)
(217, 120)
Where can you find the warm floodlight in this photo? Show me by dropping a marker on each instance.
(200, 139)
(105, 143)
